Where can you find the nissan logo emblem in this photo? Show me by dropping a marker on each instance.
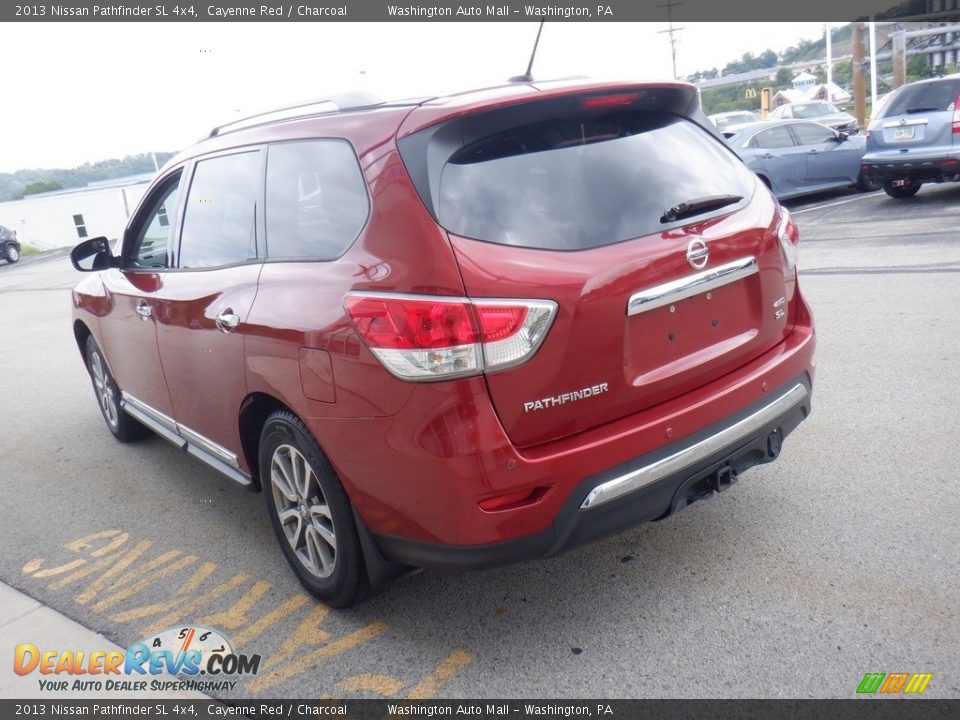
(698, 253)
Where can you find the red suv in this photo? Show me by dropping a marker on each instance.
(456, 332)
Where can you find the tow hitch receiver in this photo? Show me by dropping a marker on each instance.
(725, 477)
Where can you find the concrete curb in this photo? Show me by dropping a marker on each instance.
(23, 619)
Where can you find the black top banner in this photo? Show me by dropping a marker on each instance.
(441, 11)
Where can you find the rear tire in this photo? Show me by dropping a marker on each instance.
(11, 254)
(311, 513)
(906, 191)
(123, 427)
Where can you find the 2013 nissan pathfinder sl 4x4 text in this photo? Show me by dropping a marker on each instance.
(460, 331)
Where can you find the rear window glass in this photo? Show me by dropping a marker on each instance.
(578, 183)
(925, 97)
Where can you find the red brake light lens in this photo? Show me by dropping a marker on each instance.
(600, 101)
(956, 115)
(401, 323)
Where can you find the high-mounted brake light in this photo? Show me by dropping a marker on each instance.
(789, 235)
(421, 337)
(599, 101)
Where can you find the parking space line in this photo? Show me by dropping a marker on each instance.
(838, 202)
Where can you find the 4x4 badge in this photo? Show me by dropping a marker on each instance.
(698, 253)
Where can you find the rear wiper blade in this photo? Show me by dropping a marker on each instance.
(921, 109)
(700, 205)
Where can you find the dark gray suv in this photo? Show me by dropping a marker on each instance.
(9, 245)
(915, 138)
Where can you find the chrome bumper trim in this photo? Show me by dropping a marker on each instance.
(686, 287)
(695, 453)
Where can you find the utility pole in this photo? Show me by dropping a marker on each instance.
(873, 65)
(829, 33)
(670, 5)
(859, 90)
(899, 57)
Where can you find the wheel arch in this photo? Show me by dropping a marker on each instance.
(80, 333)
(254, 411)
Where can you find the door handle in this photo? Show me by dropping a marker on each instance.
(812, 152)
(228, 321)
(767, 156)
(144, 310)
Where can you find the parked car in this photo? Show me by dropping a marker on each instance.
(726, 120)
(795, 157)
(9, 245)
(819, 111)
(458, 332)
(915, 138)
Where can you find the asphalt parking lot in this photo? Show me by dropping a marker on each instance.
(838, 560)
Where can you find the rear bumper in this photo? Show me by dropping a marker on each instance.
(646, 488)
(941, 167)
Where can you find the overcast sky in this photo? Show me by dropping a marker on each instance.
(77, 92)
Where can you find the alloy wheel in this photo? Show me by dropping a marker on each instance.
(104, 387)
(303, 511)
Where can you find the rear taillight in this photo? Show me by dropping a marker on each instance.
(956, 115)
(789, 235)
(419, 337)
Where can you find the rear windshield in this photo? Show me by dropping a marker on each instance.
(573, 184)
(812, 110)
(924, 97)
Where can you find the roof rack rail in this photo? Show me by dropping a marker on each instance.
(335, 103)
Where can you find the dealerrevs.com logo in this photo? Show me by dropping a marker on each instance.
(183, 658)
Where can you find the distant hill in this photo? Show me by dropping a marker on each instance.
(14, 185)
(842, 37)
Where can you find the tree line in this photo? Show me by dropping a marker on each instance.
(19, 184)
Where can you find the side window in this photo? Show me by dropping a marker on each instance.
(778, 137)
(219, 223)
(316, 199)
(810, 134)
(150, 248)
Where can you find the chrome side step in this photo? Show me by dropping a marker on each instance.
(201, 447)
(729, 436)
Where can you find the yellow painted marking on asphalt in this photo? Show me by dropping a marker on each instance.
(32, 567)
(289, 606)
(124, 574)
(308, 632)
(308, 661)
(102, 565)
(384, 685)
(112, 570)
(119, 538)
(184, 611)
(190, 586)
(428, 687)
(155, 571)
(236, 615)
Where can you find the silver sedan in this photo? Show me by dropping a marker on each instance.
(797, 157)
